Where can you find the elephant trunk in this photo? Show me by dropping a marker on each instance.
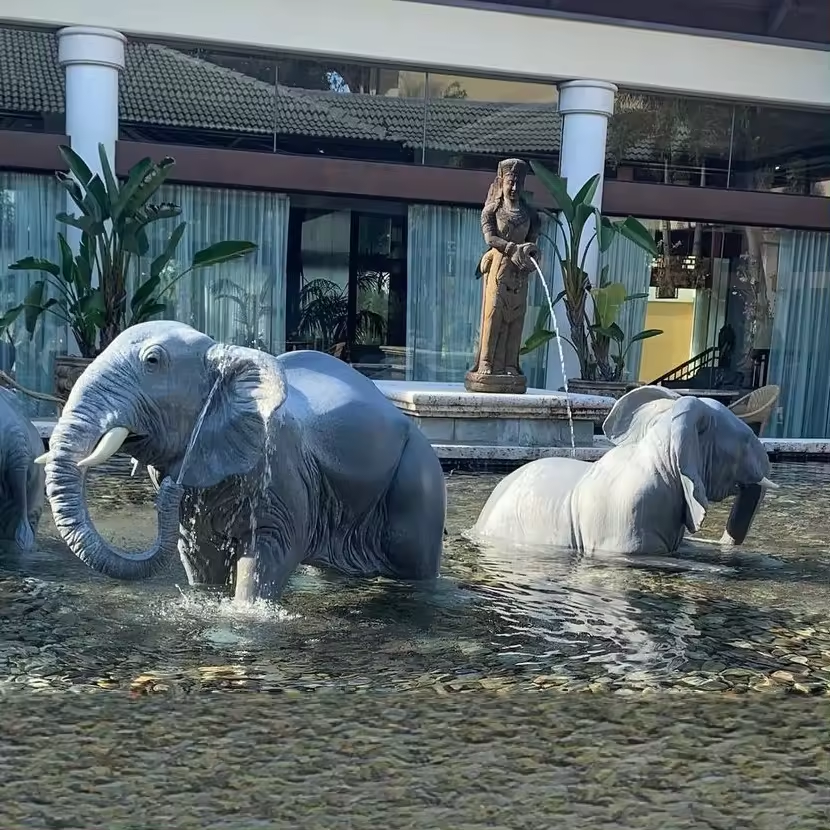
(66, 490)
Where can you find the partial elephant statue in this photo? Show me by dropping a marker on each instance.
(21, 480)
(300, 459)
(673, 455)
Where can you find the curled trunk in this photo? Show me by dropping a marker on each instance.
(66, 489)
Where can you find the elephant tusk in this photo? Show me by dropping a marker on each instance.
(106, 448)
(768, 485)
(135, 468)
(43, 459)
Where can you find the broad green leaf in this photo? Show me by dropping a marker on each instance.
(586, 193)
(67, 260)
(33, 305)
(138, 193)
(109, 177)
(160, 262)
(93, 302)
(638, 233)
(9, 317)
(84, 262)
(582, 213)
(645, 335)
(557, 187)
(607, 232)
(97, 202)
(608, 300)
(537, 339)
(149, 310)
(144, 291)
(135, 176)
(77, 166)
(617, 334)
(87, 224)
(222, 252)
(70, 184)
(134, 240)
(31, 263)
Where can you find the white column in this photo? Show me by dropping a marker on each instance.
(585, 107)
(93, 59)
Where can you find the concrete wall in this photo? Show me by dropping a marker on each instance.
(460, 40)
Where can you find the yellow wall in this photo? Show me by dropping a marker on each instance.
(671, 348)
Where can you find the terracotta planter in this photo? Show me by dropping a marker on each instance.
(603, 388)
(68, 368)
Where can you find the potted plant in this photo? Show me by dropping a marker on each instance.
(590, 334)
(91, 288)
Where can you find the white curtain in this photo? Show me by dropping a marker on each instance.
(631, 265)
(799, 347)
(445, 246)
(243, 301)
(28, 205)
(443, 300)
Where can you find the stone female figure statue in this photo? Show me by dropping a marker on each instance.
(510, 227)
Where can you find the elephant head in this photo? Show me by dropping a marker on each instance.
(145, 394)
(713, 453)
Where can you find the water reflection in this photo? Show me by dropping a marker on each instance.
(750, 619)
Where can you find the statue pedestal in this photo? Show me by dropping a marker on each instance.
(497, 384)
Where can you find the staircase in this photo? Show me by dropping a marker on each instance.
(707, 359)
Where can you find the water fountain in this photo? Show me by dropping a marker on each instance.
(493, 415)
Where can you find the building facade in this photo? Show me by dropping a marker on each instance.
(354, 143)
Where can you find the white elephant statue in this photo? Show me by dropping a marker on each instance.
(21, 480)
(673, 455)
(299, 459)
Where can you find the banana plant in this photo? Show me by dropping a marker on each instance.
(90, 289)
(571, 246)
(608, 300)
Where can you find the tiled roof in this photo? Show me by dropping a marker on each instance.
(163, 87)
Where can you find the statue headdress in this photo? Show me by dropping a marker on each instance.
(517, 167)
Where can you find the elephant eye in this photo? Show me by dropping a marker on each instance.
(153, 358)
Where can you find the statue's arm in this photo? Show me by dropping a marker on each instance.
(490, 229)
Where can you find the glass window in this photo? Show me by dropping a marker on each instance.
(242, 301)
(781, 150)
(669, 140)
(349, 110)
(475, 122)
(32, 85)
(347, 282)
(742, 307)
(206, 97)
(28, 206)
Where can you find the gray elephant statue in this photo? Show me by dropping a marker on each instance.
(673, 455)
(297, 459)
(21, 480)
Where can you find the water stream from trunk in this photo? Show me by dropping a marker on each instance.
(561, 354)
(193, 435)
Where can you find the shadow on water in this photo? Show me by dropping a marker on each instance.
(750, 619)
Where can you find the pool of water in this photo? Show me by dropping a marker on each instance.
(522, 691)
(756, 621)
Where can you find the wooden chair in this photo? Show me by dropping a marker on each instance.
(755, 408)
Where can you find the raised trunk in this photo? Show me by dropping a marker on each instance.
(66, 489)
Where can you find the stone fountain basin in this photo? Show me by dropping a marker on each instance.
(448, 414)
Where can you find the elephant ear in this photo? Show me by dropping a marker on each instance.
(691, 420)
(636, 412)
(249, 387)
